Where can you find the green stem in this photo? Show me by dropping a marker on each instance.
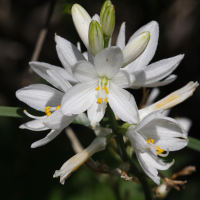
(122, 151)
(112, 119)
(106, 42)
(133, 168)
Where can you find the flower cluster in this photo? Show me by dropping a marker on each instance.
(97, 79)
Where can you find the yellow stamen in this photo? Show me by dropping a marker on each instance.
(48, 113)
(106, 100)
(106, 89)
(47, 109)
(57, 107)
(99, 100)
(98, 87)
(159, 150)
(150, 140)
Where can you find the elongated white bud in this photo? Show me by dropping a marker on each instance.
(76, 161)
(95, 35)
(171, 100)
(135, 47)
(81, 21)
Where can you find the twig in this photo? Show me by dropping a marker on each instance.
(42, 34)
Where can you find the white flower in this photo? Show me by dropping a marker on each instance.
(76, 161)
(171, 100)
(149, 75)
(100, 84)
(46, 99)
(151, 137)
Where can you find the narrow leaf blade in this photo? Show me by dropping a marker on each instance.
(194, 144)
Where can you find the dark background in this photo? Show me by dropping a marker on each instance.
(27, 173)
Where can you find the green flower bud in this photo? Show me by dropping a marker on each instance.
(108, 21)
(105, 5)
(95, 37)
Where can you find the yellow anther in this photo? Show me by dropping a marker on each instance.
(106, 100)
(106, 89)
(57, 107)
(98, 87)
(159, 150)
(48, 113)
(47, 109)
(99, 100)
(150, 140)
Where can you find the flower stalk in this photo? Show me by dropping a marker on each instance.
(123, 154)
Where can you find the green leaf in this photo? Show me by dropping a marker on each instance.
(194, 144)
(16, 112)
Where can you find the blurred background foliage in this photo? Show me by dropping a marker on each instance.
(27, 173)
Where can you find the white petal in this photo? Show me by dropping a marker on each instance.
(79, 98)
(123, 104)
(90, 58)
(67, 53)
(96, 17)
(121, 37)
(123, 79)
(84, 71)
(41, 69)
(110, 41)
(85, 54)
(149, 52)
(108, 62)
(78, 45)
(83, 119)
(137, 141)
(35, 125)
(102, 132)
(153, 73)
(152, 97)
(147, 119)
(150, 170)
(39, 96)
(150, 163)
(96, 113)
(166, 133)
(161, 69)
(166, 81)
(47, 139)
(58, 121)
(185, 122)
(64, 85)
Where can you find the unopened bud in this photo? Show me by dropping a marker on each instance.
(107, 19)
(96, 40)
(81, 21)
(105, 5)
(135, 47)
